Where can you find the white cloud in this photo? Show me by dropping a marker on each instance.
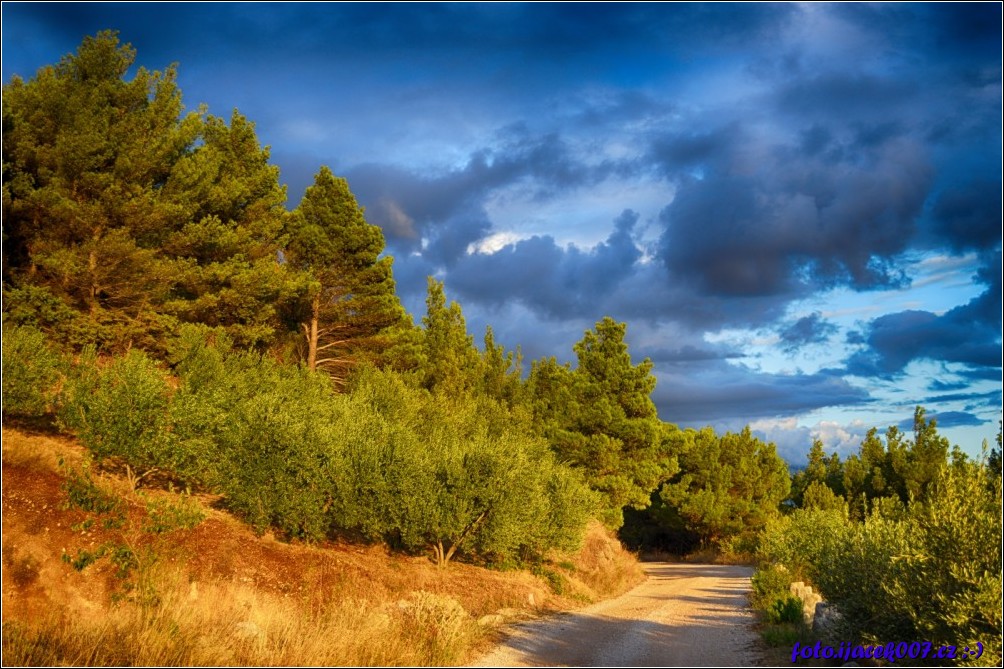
(494, 243)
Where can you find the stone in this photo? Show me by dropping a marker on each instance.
(491, 620)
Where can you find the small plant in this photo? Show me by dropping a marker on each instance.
(786, 609)
(84, 494)
(165, 515)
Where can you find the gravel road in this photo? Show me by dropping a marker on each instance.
(683, 615)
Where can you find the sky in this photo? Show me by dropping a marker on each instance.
(795, 208)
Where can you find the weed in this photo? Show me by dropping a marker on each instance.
(786, 609)
(784, 634)
(164, 515)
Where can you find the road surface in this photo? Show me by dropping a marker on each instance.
(683, 615)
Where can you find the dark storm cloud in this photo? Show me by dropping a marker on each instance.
(740, 393)
(811, 329)
(961, 29)
(969, 334)
(968, 216)
(984, 401)
(846, 96)
(756, 219)
(686, 355)
(946, 419)
(447, 210)
(557, 282)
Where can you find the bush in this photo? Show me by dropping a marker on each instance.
(31, 370)
(786, 609)
(767, 584)
(260, 433)
(928, 571)
(462, 477)
(120, 409)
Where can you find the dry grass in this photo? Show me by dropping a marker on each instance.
(219, 595)
(602, 569)
(230, 624)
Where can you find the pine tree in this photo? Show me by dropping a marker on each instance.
(123, 217)
(86, 155)
(600, 419)
(450, 361)
(226, 253)
(729, 484)
(349, 303)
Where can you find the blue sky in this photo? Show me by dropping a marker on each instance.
(796, 208)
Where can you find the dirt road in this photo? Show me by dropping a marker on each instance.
(683, 615)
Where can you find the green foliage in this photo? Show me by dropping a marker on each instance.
(386, 461)
(348, 303)
(259, 433)
(449, 360)
(929, 570)
(786, 609)
(601, 420)
(727, 485)
(454, 475)
(767, 584)
(820, 496)
(120, 409)
(122, 216)
(797, 540)
(31, 371)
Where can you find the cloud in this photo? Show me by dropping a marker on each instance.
(687, 354)
(988, 400)
(733, 391)
(558, 282)
(968, 216)
(946, 419)
(969, 334)
(811, 329)
(751, 218)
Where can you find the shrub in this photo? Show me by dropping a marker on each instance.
(31, 370)
(261, 434)
(929, 570)
(786, 609)
(120, 409)
(769, 583)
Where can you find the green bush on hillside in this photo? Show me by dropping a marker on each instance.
(31, 370)
(120, 409)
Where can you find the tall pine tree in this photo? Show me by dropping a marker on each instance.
(349, 303)
(124, 217)
(600, 418)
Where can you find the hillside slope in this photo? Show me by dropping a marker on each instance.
(216, 593)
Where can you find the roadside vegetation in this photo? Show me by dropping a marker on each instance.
(904, 539)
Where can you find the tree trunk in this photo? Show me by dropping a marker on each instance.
(315, 315)
(94, 288)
